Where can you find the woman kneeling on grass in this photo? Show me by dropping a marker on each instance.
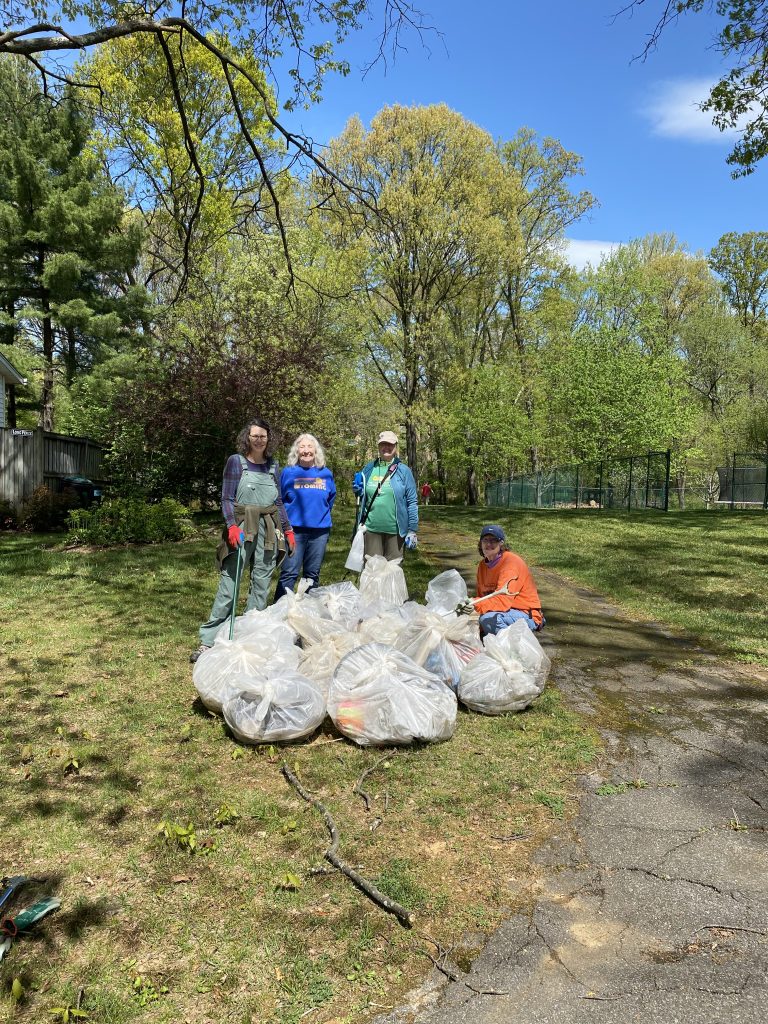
(501, 567)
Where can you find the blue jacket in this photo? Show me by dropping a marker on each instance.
(406, 501)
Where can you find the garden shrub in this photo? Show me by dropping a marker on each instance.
(46, 510)
(129, 520)
(9, 520)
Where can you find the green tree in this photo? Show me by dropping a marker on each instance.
(421, 217)
(741, 263)
(191, 197)
(64, 248)
(292, 42)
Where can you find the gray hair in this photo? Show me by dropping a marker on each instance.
(293, 454)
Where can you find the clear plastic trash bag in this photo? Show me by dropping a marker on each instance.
(273, 711)
(319, 661)
(443, 644)
(509, 674)
(280, 609)
(257, 625)
(383, 580)
(446, 591)
(378, 696)
(340, 600)
(224, 669)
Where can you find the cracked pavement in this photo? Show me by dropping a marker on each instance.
(652, 903)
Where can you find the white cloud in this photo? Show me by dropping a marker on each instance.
(580, 252)
(674, 112)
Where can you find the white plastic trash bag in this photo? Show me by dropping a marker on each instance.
(443, 644)
(319, 661)
(446, 592)
(378, 696)
(508, 675)
(273, 711)
(356, 556)
(383, 580)
(258, 625)
(341, 602)
(280, 609)
(224, 669)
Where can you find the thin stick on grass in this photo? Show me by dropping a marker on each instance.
(405, 917)
(357, 788)
(441, 963)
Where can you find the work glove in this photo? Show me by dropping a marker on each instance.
(290, 540)
(465, 608)
(235, 536)
(411, 540)
(358, 485)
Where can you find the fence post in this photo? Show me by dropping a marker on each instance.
(666, 480)
(600, 492)
(733, 482)
(647, 479)
(554, 490)
(629, 492)
(765, 498)
(577, 483)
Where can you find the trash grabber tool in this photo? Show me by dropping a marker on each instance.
(238, 577)
(464, 607)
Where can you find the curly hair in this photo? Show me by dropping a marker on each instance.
(293, 454)
(242, 445)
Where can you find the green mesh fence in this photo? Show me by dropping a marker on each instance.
(638, 481)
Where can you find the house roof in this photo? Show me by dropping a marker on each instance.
(9, 372)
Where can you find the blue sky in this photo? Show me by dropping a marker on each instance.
(565, 68)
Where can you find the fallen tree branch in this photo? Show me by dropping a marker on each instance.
(358, 788)
(405, 917)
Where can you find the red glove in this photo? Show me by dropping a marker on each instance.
(290, 540)
(235, 536)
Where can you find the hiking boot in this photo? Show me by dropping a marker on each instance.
(196, 654)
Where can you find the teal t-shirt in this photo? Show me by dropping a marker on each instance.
(383, 516)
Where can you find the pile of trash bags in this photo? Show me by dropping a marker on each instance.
(387, 670)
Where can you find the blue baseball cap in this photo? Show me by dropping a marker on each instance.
(493, 531)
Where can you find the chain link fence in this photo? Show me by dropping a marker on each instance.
(635, 482)
(744, 481)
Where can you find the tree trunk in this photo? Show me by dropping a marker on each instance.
(442, 491)
(680, 485)
(71, 358)
(410, 446)
(46, 398)
(471, 482)
(8, 331)
(11, 411)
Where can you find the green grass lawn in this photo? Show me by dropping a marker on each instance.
(702, 572)
(105, 749)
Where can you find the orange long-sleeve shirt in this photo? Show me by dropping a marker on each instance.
(522, 590)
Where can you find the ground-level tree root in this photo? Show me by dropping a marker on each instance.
(405, 917)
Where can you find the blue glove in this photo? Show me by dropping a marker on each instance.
(357, 485)
(411, 540)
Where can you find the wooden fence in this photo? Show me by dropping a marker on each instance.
(29, 458)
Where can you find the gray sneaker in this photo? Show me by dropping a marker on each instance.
(196, 654)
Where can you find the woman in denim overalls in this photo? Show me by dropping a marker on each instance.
(255, 520)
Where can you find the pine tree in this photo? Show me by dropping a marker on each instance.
(65, 248)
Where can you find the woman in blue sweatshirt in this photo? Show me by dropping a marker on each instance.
(308, 491)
